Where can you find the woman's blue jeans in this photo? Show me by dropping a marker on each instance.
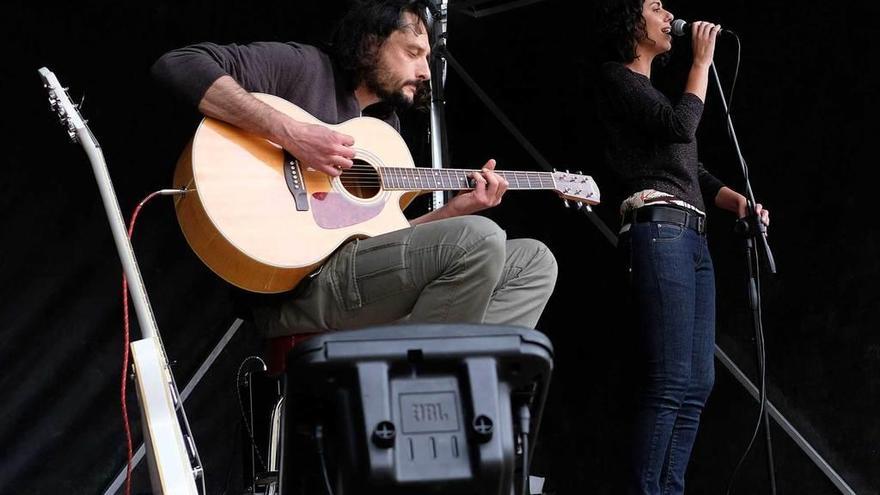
(673, 289)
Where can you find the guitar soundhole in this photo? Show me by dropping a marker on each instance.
(361, 180)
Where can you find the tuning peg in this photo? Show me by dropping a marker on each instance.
(565, 202)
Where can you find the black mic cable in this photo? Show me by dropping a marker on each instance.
(681, 27)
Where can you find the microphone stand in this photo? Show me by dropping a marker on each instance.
(437, 15)
(750, 228)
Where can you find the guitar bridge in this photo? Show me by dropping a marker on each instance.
(293, 177)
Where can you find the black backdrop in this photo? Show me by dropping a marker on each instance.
(803, 107)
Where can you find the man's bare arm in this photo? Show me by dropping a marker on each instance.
(314, 145)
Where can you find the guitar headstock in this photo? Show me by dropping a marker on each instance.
(576, 187)
(59, 102)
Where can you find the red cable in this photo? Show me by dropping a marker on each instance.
(125, 353)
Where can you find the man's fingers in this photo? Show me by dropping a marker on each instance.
(340, 162)
(502, 187)
(479, 180)
(496, 184)
(328, 169)
(344, 139)
(334, 166)
(344, 151)
(492, 182)
(479, 185)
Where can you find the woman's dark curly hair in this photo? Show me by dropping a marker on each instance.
(355, 42)
(623, 25)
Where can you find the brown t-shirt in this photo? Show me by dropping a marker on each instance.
(301, 74)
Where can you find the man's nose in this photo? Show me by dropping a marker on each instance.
(423, 71)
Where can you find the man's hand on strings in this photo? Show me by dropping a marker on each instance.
(319, 147)
(488, 190)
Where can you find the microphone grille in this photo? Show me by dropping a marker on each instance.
(679, 27)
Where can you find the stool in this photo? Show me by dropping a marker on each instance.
(277, 349)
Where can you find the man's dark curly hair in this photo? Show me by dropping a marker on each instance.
(357, 37)
(623, 24)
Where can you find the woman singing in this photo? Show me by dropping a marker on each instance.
(651, 146)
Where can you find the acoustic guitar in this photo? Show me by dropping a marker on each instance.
(263, 221)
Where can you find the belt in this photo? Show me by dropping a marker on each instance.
(668, 214)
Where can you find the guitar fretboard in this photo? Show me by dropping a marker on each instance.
(451, 179)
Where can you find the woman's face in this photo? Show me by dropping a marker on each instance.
(657, 38)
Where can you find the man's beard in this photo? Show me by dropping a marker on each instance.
(380, 81)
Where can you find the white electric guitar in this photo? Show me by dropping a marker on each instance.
(174, 463)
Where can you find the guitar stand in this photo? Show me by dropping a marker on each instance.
(261, 393)
(256, 388)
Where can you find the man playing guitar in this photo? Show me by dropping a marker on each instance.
(448, 266)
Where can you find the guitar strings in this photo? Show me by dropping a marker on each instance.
(426, 175)
(365, 175)
(370, 169)
(362, 167)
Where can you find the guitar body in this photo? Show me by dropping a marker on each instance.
(261, 220)
(170, 472)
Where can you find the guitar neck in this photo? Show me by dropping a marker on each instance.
(452, 179)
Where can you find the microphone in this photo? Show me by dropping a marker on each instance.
(680, 27)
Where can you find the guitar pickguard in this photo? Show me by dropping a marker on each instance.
(332, 210)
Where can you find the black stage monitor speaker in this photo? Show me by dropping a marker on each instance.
(450, 409)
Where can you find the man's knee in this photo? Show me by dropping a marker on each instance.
(477, 232)
(466, 244)
(544, 260)
(538, 261)
(484, 244)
